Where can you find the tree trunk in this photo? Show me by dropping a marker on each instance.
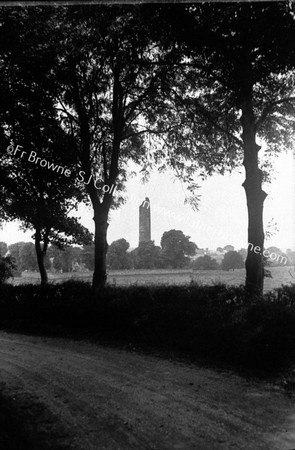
(255, 199)
(40, 258)
(110, 170)
(100, 248)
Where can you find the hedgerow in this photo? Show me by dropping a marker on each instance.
(212, 322)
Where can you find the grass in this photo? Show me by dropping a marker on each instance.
(280, 276)
(214, 323)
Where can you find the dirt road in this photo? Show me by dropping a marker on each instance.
(80, 396)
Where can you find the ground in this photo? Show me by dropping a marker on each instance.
(63, 394)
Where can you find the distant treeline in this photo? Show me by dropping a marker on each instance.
(176, 252)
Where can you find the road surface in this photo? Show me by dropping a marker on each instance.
(76, 395)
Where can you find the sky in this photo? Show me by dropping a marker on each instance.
(220, 220)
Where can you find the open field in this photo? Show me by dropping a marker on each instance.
(280, 275)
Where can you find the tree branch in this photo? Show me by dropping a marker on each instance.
(150, 131)
(269, 108)
(131, 107)
(208, 115)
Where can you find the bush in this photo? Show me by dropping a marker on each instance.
(205, 263)
(214, 322)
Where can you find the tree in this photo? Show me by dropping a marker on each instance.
(65, 259)
(24, 256)
(205, 263)
(43, 206)
(176, 248)
(117, 256)
(239, 61)
(232, 260)
(27, 256)
(113, 86)
(36, 157)
(108, 84)
(147, 256)
(14, 252)
(20, 250)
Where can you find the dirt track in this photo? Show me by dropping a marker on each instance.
(80, 396)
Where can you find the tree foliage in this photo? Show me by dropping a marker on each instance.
(88, 256)
(147, 256)
(232, 260)
(35, 150)
(24, 255)
(205, 80)
(228, 248)
(66, 259)
(238, 63)
(117, 256)
(205, 262)
(7, 268)
(107, 84)
(176, 248)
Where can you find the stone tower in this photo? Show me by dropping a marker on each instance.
(145, 221)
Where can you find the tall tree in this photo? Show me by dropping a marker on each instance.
(108, 84)
(36, 157)
(239, 63)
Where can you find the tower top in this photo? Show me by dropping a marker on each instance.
(145, 221)
(145, 203)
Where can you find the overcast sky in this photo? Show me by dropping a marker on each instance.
(222, 215)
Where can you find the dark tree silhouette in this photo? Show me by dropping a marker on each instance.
(39, 195)
(239, 62)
